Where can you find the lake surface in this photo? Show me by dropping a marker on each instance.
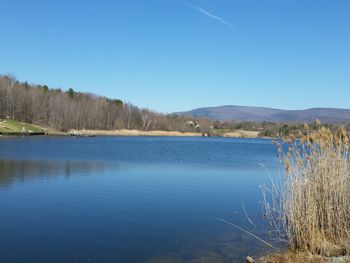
(131, 199)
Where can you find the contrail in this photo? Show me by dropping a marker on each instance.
(208, 14)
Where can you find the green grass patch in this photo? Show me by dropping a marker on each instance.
(16, 126)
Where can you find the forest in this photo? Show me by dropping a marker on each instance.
(65, 110)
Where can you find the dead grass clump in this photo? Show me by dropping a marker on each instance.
(291, 257)
(309, 208)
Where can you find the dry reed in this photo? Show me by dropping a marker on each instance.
(291, 257)
(309, 206)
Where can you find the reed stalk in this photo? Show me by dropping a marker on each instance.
(308, 206)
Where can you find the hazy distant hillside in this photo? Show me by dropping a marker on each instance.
(244, 113)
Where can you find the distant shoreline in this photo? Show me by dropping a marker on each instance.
(14, 128)
(135, 133)
(125, 132)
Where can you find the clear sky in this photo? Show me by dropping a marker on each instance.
(173, 55)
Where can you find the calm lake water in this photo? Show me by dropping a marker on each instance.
(131, 199)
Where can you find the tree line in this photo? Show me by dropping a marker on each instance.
(65, 110)
(276, 129)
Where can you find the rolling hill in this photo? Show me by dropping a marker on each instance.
(259, 114)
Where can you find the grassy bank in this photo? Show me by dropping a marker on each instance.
(13, 127)
(16, 126)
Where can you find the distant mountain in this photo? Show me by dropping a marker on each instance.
(259, 114)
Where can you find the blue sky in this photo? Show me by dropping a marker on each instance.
(173, 55)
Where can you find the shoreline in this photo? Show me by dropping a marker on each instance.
(15, 129)
(127, 133)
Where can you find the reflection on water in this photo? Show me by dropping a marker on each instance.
(131, 199)
(23, 170)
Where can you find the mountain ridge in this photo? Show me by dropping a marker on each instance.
(259, 114)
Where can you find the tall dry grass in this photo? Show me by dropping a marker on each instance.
(309, 207)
